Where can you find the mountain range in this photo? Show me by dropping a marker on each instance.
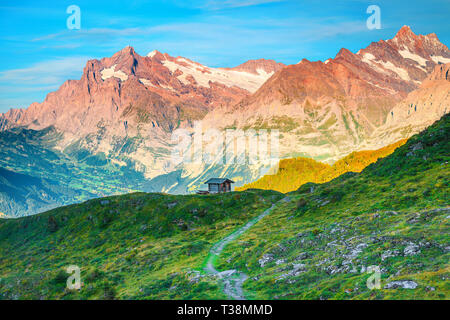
(328, 109)
(118, 119)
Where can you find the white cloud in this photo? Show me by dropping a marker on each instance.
(21, 87)
(93, 32)
(50, 72)
(224, 4)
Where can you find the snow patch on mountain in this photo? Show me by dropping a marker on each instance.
(371, 60)
(402, 73)
(375, 64)
(110, 72)
(203, 75)
(405, 53)
(152, 54)
(439, 59)
(167, 87)
(147, 82)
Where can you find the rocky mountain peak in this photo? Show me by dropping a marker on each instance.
(258, 65)
(423, 45)
(405, 32)
(344, 53)
(155, 54)
(128, 50)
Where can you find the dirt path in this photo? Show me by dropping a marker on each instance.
(233, 279)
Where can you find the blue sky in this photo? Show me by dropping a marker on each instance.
(39, 53)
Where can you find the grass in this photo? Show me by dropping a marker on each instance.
(138, 246)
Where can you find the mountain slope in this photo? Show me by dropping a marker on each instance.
(293, 173)
(119, 118)
(24, 195)
(392, 217)
(39, 177)
(419, 109)
(164, 87)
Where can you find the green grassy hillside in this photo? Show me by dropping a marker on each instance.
(393, 215)
(138, 246)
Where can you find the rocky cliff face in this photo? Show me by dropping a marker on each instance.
(419, 109)
(442, 72)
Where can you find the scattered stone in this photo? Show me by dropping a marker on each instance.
(104, 202)
(280, 261)
(194, 276)
(388, 254)
(413, 220)
(171, 205)
(411, 250)
(356, 251)
(302, 256)
(403, 284)
(417, 146)
(392, 212)
(298, 268)
(325, 203)
(265, 260)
